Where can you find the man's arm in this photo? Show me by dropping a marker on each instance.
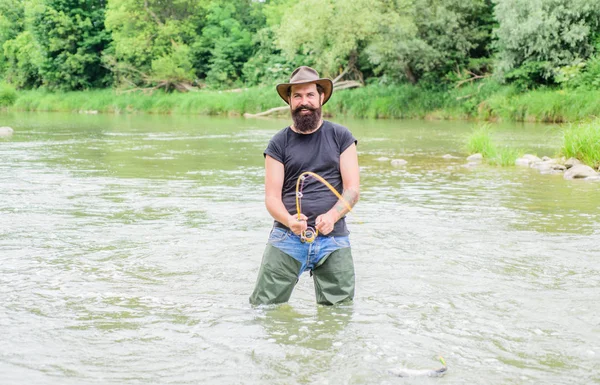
(274, 176)
(351, 182)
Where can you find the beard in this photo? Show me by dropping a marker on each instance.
(306, 122)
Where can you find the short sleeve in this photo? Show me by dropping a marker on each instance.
(274, 150)
(346, 139)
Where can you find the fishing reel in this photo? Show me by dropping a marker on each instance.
(309, 235)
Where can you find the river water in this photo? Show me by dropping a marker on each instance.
(129, 246)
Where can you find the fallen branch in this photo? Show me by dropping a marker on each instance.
(464, 97)
(268, 112)
(346, 84)
(471, 79)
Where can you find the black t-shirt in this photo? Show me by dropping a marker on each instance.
(318, 152)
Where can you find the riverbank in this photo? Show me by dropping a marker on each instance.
(485, 101)
(581, 141)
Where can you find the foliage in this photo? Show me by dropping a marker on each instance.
(226, 40)
(582, 141)
(444, 47)
(330, 34)
(267, 65)
(8, 95)
(152, 40)
(70, 34)
(23, 61)
(584, 75)
(205, 102)
(12, 16)
(505, 156)
(372, 101)
(536, 37)
(480, 142)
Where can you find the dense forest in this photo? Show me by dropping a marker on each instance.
(224, 44)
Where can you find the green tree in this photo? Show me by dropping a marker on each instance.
(152, 40)
(330, 34)
(12, 16)
(23, 61)
(71, 36)
(226, 42)
(537, 37)
(433, 39)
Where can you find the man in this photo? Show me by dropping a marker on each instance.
(310, 144)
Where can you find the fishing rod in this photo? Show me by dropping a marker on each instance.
(310, 233)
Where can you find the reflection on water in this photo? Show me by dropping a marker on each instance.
(129, 246)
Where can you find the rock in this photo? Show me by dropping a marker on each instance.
(398, 162)
(475, 158)
(580, 171)
(448, 156)
(571, 162)
(527, 160)
(6, 131)
(595, 178)
(546, 158)
(545, 165)
(531, 158)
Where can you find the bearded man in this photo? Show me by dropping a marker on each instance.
(315, 239)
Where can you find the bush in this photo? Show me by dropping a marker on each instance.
(8, 95)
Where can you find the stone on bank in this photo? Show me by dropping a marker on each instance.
(580, 171)
(6, 131)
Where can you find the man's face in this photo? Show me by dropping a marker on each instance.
(305, 104)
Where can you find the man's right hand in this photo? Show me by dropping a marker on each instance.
(297, 224)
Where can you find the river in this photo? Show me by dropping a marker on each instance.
(129, 245)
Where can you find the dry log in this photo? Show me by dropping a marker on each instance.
(268, 112)
(346, 84)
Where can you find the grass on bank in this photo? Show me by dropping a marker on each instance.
(480, 141)
(110, 101)
(485, 101)
(582, 141)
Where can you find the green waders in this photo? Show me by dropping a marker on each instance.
(278, 274)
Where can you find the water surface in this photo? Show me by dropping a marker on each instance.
(129, 246)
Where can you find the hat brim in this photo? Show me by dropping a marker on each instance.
(327, 84)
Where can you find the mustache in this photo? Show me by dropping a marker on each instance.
(304, 107)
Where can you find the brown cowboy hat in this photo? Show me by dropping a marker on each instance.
(305, 75)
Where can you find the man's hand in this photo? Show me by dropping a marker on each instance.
(325, 222)
(297, 225)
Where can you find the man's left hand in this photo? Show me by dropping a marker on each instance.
(324, 223)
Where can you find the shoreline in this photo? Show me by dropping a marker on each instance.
(483, 102)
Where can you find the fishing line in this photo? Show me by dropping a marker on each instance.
(310, 233)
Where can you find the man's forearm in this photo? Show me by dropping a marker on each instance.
(349, 198)
(277, 209)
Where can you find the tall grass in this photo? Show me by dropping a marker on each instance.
(582, 141)
(487, 100)
(8, 95)
(202, 102)
(505, 156)
(387, 102)
(480, 141)
(544, 105)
